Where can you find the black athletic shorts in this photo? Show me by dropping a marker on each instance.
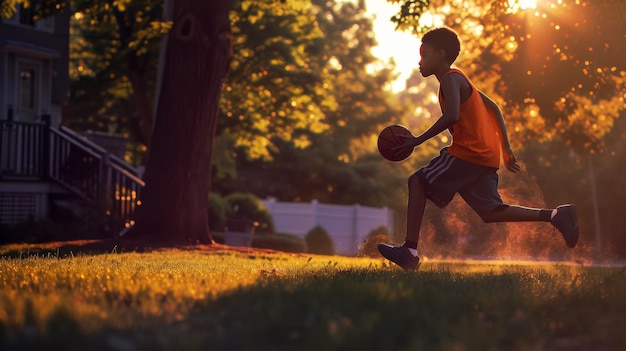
(447, 175)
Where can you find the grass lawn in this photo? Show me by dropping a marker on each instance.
(220, 298)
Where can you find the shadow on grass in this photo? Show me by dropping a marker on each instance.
(369, 309)
(63, 249)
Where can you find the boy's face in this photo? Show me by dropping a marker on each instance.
(431, 60)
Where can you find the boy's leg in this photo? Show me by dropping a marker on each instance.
(512, 213)
(438, 182)
(564, 218)
(415, 208)
(405, 256)
(483, 197)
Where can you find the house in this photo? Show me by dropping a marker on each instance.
(45, 166)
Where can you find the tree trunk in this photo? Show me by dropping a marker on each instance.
(174, 202)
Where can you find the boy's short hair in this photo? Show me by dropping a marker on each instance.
(445, 39)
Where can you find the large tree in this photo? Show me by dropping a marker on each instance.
(196, 57)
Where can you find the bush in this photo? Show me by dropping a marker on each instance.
(319, 242)
(280, 241)
(217, 212)
(248, 206)
(369, 247)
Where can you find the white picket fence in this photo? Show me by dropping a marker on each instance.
(347, 225)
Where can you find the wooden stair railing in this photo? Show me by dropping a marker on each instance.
(89, 171)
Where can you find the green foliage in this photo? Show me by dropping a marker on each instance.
(341, 164)
(223, 163)
(369, 247)
(279, 241)
(274, 89)
(7, 8)
(319, 242)
(114, 49)
(248, 206)
(410, 13)
(320, 303)
(333, 67)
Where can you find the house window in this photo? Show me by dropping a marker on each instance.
(25, 17)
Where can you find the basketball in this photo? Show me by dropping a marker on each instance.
(389, 138)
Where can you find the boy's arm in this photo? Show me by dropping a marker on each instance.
(509, 158)
(450, 88)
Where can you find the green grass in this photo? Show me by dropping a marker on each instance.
(216, 299)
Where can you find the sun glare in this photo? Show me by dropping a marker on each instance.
(527, 4)
(401, 47)
(521, 5)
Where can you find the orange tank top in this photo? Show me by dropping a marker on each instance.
(475, 135)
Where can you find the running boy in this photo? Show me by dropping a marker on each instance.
(468, 166)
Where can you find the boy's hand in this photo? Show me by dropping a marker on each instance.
(510, 161)
(408, 141)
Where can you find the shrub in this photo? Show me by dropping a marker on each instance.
(369, 247)
(248, 206)
(319, 242)
(279, 241)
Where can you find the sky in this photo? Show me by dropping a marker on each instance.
(403, 47)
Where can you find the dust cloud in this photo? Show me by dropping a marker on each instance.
(457, 232)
